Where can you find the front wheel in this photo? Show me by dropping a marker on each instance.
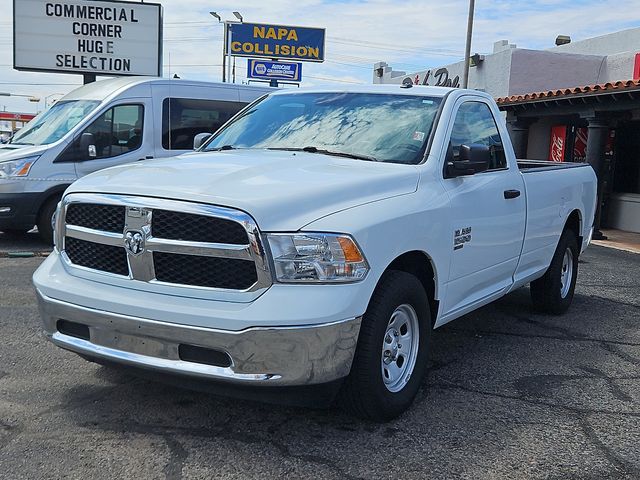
(45, 220)
(391, 355)
(553, 293)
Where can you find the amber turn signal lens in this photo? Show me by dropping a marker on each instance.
(350, 250)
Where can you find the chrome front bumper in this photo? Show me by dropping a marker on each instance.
(273, 356)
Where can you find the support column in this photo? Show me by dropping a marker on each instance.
(519, 130)
(598, 129)
(520, 138)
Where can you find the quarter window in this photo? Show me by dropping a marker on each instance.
(183, 119)
(474, 124)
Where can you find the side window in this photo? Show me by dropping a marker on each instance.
(116, 131)
(474, 123)
(184, 118)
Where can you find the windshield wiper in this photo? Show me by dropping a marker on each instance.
(224, 147)
(312, 149)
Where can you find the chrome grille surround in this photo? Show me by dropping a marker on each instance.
(139, 215)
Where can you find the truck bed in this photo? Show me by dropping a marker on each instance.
(526, 166)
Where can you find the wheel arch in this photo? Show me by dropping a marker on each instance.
(53, 192)
(421, 265)
(575, 223)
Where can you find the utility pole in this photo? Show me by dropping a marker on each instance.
(467, 50)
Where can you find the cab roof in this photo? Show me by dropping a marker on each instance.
(102, 89)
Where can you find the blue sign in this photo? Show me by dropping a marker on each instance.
(276, 41)
(268, 70)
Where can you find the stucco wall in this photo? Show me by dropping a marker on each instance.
(610, 44)
(536, 71)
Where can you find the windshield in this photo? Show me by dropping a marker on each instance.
(53, 124)
(382, 127)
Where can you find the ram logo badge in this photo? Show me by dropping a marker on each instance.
(460, 237)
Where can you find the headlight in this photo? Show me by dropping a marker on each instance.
(17, 168)
(316, 257)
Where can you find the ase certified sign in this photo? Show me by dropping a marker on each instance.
(267, 70)
(276, 41)
(81, 36)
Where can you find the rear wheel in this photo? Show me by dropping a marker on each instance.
(391, 355)
(553, 293)
(45, 220)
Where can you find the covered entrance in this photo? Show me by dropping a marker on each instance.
(599, 124)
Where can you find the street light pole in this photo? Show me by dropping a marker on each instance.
(224, 46)
(239, 17)
(467, 50)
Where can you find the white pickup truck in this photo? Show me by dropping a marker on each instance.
(314, 241)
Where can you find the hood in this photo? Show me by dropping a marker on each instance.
(280, 190)
(13, 151)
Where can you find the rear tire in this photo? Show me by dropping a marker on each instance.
(553, 293)
(45, 227)
(391, 356)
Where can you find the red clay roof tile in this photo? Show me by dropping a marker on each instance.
(587, 89)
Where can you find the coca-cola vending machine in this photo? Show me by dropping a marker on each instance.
(557, 146)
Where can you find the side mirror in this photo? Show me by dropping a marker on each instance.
(472, 159)
(88, 145)
(199, 139)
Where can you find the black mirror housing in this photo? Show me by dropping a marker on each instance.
(473, 159)
(88, 145)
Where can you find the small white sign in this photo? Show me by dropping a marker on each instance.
(87, 36)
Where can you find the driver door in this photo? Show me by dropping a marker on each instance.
(486, 222)
(119, 137)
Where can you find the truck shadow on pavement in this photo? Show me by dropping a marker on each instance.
(508, 393)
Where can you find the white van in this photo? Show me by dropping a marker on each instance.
(100, 125)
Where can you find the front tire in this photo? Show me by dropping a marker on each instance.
(391, 356)
(45, 219)
(553, 293)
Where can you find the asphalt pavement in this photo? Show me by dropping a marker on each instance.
(509, 394)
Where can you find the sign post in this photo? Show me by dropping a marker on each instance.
(91, 38)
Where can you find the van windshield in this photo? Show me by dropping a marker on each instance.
(53, 124)
(369, 126)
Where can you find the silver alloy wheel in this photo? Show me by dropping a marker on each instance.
(400, 347)
(566, 274)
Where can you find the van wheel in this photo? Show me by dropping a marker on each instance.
(391, 356)
(553, 293)
(45, 218)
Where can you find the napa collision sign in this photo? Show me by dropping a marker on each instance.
(87, 36)
(268, 70)
(276, 42)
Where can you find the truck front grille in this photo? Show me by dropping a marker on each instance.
(197, 228)
(109, 218)
(204, 271)
(97, 256)
(163, 242)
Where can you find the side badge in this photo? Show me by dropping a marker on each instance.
(460, 237)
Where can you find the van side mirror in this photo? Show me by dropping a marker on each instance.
(472, 159)
(199, 139)
(88, 145)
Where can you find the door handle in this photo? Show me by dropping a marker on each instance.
(148, 157)
(511, 194)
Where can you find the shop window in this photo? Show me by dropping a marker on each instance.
(183, 119)
(474, 124)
